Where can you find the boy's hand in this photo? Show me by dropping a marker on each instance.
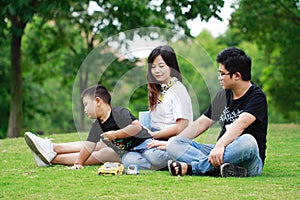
(109, 135)
(76, 167)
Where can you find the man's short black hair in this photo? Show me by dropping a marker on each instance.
(236, 60)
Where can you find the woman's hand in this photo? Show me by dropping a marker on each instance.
(161, 145)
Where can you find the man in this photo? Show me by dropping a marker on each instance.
(241, 109)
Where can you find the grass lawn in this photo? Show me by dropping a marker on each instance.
(21, 179)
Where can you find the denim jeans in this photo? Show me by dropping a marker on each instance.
(145, 158)
(243, 151)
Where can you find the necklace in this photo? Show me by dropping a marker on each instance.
(165, 87)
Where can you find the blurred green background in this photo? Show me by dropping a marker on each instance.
(45, 46)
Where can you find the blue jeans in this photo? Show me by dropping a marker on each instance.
(243, 151)
(145, 158)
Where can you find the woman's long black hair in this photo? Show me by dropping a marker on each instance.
(168, 55)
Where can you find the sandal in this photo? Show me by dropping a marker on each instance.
(172, 169)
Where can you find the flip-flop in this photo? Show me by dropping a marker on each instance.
(172, 170)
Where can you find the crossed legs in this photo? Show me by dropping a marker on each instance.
(243, 152)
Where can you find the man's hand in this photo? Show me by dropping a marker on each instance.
(216, 156)
(161, 145)
(76, 167)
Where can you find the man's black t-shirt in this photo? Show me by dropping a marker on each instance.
(119, 118)
(226, 110)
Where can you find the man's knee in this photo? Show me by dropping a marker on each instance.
(248, 141)
(157, 158)
(244, 147)
(172, 144)
(175, 140)
(177, 147)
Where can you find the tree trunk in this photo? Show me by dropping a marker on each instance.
(15, 116)
(84, 76)
(83, 82)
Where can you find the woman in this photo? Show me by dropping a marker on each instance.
(169, 104)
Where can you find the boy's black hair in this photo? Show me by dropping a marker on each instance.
(97, 91)
(236, 60)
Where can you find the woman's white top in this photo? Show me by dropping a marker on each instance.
(176, 104)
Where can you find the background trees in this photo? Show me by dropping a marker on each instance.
(63, 23)
(14, 18)
(275, 27)
(43, 44)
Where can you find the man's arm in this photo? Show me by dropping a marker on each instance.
(197, 127)
(84, 154)
(233, 131)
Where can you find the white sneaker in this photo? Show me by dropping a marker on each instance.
(43, 148)
(39, 161)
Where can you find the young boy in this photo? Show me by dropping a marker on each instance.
(241, 108)
(117, 127)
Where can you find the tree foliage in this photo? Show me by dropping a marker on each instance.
(275, 27)
(15, 15)
(57, 26)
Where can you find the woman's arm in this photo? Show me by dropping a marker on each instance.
(166, 133)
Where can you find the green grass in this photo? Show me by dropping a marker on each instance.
(21, 179)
